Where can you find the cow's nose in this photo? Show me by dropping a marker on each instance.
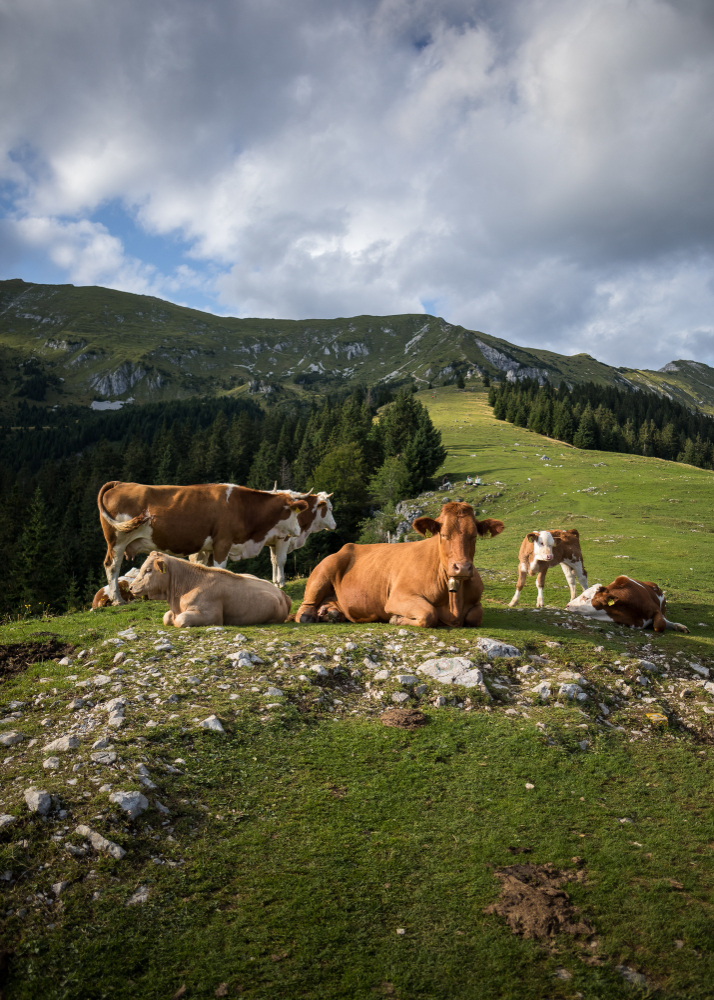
(548, 557)
(462, 569)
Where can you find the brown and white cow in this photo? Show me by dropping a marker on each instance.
(102, 599)
(626, 602)
(206, 595)
(216, 520)
(426, 583)
(542, 549)
(317, 517)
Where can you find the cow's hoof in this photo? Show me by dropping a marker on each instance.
(306, 619)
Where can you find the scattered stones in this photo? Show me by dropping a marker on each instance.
(62, 745)
(400, 697)
(454, 670)
(571, 691)
(382, 675)
(140, 896)
(213, 723)
(75, 704)
(102, 743)
(636, 978)
(59, 887)
(542, 690)
(272, 692)
(103, 757)
(38, 801)
(407, 680)
(51, 764)
(101, 680)
(6, 820)
(133, 803)
(495, 649)
(100, 843)
(11, 738)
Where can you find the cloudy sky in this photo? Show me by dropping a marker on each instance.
(541, 170)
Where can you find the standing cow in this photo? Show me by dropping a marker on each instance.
(542, 549)
(426, 583)
(317, 517)
(217, 520)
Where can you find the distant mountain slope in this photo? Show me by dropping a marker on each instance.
(62, 344)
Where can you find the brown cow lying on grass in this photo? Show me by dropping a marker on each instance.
(206, 595)
(426, 583)
(626, 602)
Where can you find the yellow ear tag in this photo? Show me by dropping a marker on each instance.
(162, 568)
(428, 534)
(610, 602)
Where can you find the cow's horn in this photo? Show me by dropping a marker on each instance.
(275, 487)
(328, 495)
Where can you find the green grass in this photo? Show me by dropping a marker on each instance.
(301, 839)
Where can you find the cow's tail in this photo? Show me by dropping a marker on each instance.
(122, 526)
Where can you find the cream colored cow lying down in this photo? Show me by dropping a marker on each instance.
(206, 595)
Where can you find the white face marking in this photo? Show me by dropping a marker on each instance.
(543, 547)
(582, 605)
(326, 520)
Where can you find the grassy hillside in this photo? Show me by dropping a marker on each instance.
(61, 344)
(310, 852)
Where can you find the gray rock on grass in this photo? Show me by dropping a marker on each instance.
(495, 649)
(454, 670)
(6, 820)
(62, 745)
(140, 896)
(11, 738)
(213, 723)
(542, 690)
(38, 801)
(100, 843)
(51, 764)
(133, 803)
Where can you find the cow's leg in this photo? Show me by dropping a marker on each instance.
(674, 626)
(413, 611)
(569, 574)
(522, 577)
(540, 584)
(581, 575)
(207, 614)
(169, 618)
(474, 617)
(221, 548)
(278, 557)
(112, 565)
(319, 591)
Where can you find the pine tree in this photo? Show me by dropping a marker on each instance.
(586, 434)
(37, 568)
(392, 482)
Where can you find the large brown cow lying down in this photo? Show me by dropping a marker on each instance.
(426, 583)
(206, 595)
(626, 602)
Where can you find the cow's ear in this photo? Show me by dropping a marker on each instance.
(426, 526)
(298, 505)
(602, 598)
(160, 565)
(489, 526)
(532, 536)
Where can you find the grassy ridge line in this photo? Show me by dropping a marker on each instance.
(156, 350)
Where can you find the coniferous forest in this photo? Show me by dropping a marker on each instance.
(53, 463)
(608, 419)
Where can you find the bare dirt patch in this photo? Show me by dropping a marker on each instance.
(403, 718)
(533, 903)
(16, 657)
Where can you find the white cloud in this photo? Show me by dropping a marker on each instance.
(541, 170)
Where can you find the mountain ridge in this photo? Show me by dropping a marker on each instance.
(90, 345)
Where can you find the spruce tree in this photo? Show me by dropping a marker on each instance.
(37, 560)
(586, 434)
